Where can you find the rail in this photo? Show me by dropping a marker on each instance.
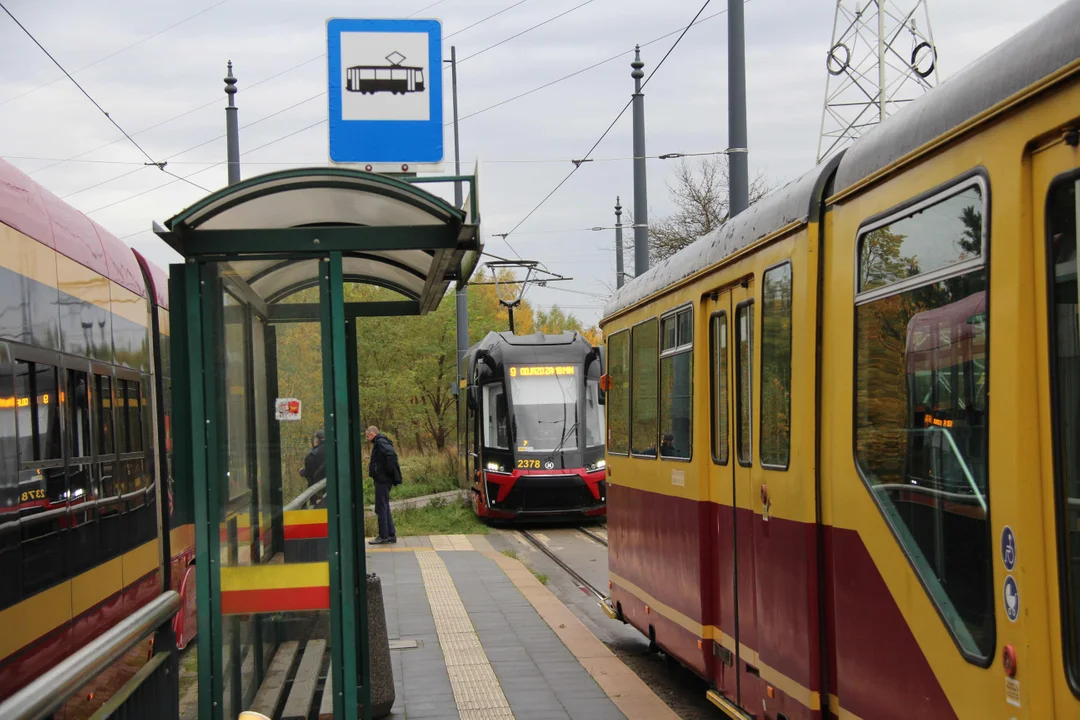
(302, 499)
(51, 690)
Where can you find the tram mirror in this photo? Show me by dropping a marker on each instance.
(473, 395)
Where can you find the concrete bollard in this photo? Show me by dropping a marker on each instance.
(382, 672)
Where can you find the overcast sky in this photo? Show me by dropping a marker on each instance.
(158, 66)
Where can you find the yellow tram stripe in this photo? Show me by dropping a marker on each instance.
(791, 688)
(44, 612)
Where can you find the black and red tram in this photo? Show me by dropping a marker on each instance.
(532, 427)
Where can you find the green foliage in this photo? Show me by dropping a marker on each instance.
(407, 372)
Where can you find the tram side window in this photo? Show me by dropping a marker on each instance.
(676, 381)
(496, 417)
(38, 405)
(920, 399)
(643, 391)
(776, 367)
(718, 328)
(1062, 210)
(618, 398)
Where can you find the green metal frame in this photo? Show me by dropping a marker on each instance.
(352, 372)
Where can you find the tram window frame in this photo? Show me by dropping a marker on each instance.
(718, 376)
(634, 330)
(621, 384)
(977, 271)
(78, 440)
(32, 357)
(103, 420)
(746, 460)
(763, 357)
(681, 346)
(1069, 601)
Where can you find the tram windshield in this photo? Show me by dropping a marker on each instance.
(545, 401)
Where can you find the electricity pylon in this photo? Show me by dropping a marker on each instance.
(882, 56)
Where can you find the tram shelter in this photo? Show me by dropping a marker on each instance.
(261, 256)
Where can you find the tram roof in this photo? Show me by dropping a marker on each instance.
(1043, 48)
(794, 202)
(391, 232)
(30, 208)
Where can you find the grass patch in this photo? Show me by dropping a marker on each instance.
(439, 518)
(420, 475)
(512, 554)
(539, 576)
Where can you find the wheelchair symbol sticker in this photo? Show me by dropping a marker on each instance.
(1012, 599)
(1008, 548)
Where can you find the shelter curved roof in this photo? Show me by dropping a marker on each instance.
(391, 233)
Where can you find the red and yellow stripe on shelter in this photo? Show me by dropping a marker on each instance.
(305, 524)
(275, 588)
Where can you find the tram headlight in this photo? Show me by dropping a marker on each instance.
(598, 465)
(495, 467)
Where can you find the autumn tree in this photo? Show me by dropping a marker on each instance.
(700, 193)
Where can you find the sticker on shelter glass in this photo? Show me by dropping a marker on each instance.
(287, 409)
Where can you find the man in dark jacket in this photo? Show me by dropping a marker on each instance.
(314, 468)
(385, 471)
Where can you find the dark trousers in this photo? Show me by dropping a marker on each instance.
(382, 511)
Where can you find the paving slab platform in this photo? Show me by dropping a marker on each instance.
(474, 635)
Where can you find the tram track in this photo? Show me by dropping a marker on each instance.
(587, 587)
(594, 536)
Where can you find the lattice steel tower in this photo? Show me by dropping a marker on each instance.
(882, 56)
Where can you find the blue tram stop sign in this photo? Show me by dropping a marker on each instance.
(385, 91)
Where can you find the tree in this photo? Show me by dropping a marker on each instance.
(700, 194)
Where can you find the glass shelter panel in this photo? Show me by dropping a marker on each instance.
(271, 519)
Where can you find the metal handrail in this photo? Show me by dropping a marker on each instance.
(50, 691)
(963, 465)
(303, 497)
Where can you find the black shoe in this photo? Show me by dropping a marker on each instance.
(392, 540)
(380, 541)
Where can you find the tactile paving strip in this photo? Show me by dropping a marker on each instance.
(477, 692)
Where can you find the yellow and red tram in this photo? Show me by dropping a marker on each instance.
(89, 521)
(872, 376)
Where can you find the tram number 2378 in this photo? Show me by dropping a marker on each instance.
(525, 464)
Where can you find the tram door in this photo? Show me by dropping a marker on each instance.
(731, 363)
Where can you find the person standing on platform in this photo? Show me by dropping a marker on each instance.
(385, 471)
(314, 468)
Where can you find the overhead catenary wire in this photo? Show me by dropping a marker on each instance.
(250, 86)
(577, 165)
(185, 178)
(117, 52)
(301, 163)
(152, 161)
(526, 30)
(194, 147)
(483, 20)
(588, 67)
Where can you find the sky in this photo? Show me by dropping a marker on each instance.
(157, 69)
